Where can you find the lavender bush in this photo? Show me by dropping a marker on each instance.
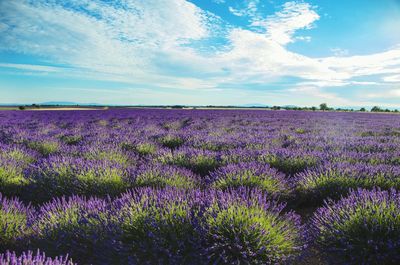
(161, 226)
(30, 258)
(15, 220)
(335, 180)
(363, 228)
(78, 226)
(243, 227)
(199, 186)
(250, 175)
(161, 176)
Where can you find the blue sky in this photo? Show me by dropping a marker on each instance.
(222, 52)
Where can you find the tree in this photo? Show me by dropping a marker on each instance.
(362, 109)
(323, 106)
(21, 107)
(376, 109)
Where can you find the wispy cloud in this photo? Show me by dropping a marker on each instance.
(32, 67)
(159, 43)
(392, 78)
(283, 24)
(248, 9)
(385, 94)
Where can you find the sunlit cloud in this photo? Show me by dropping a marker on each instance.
(163, 44)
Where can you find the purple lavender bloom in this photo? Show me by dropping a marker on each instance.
(29, 258)
(363, 228)
(17, 154)
(57, 176)
(105, 153)
(200, 161)
(161, 176)
(15, 222)
(161, 226)
(141, 147)
(171, 141)
(244, 227)
(291, 162)
(250, 175)
(12, 179)
(78, 226)
(336, 179)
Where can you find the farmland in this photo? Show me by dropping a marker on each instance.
(156, 186)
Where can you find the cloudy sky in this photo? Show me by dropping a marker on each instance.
(343, 52)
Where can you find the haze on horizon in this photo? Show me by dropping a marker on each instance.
(215, 52)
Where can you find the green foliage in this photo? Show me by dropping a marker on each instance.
(254, 235)
(71, 139)
(146, 149)
(102, 123)
(109, 155)
(109, 181)
(323, 106)
(17, 155)
(12, 180)
(334, 184)
(363, 228)
(156, 235)
(290, 165)
(300, 130)
(152, 179)
(45, 148)
(376, 109)
(251, 181)
(201, 164)
(76, 226)
(12, 226)
(13, 223)
(63, 179)
(171, 141)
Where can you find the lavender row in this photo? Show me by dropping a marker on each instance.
(57, 176)
(147, 226)
(300, 159)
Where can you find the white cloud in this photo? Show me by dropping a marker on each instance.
(249, 9)
(338, 52)
(150, 43)
(385, 94)
(121, 39)
(392, 78)
(40, 68)
(282, 25)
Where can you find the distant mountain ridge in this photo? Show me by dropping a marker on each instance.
(66, 103)
(259, 105)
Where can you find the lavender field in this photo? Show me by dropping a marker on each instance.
(132, 186)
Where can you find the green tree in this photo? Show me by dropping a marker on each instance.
(323, 106)
(376, 109)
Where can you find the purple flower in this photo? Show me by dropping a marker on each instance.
(363, 228)
(29, 258)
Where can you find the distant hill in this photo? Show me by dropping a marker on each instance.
(254, 105)
(66, 103)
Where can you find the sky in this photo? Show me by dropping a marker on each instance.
(201, 52)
